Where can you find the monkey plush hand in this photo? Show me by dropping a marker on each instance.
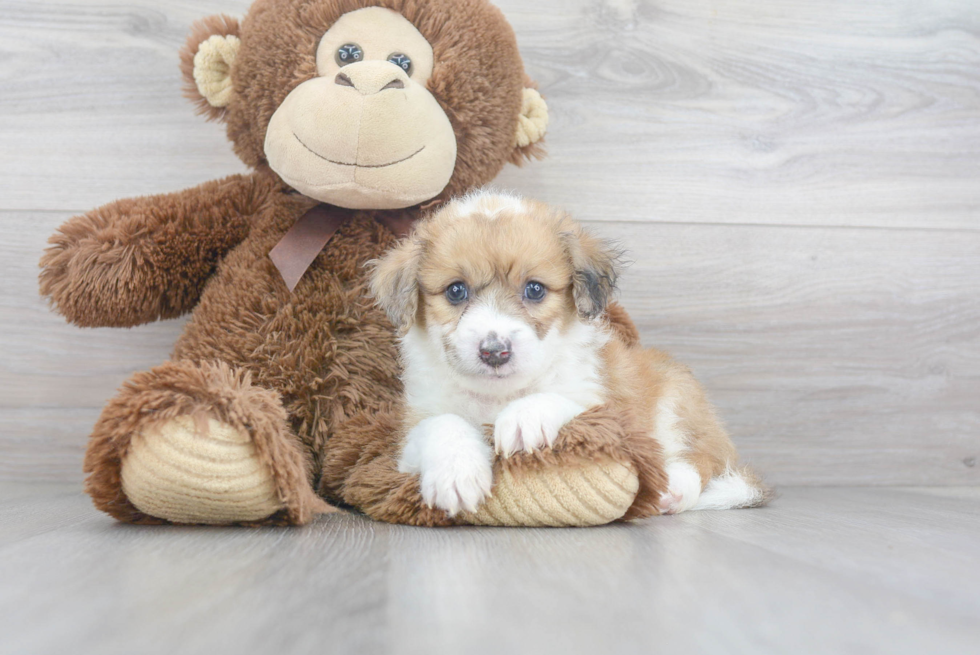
(355, 116)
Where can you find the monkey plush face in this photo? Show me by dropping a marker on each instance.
(365, 133)
(360, 105)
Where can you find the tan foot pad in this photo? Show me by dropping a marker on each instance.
(591, 494)
(178, 472)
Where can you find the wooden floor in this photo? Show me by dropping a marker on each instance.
(832, 570)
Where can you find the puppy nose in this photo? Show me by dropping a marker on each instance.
(495, 352)
(370, 77)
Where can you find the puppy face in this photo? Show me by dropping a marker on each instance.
(495, 284)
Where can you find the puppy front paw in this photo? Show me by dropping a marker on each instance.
(453, 461)
(458, 484)
(532, 422)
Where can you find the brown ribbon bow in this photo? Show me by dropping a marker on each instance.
(300, 246)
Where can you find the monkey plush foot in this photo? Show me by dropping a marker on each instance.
(198, 472)
(198, 443)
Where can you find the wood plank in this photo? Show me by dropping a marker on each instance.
(784, 112)
(91, 103)
(835, 355)
(776, 580)
(914, 533)
(34, 508)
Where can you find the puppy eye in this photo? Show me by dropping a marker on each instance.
(349, 53)
(402, 61)
(457, 293)
(535, 291)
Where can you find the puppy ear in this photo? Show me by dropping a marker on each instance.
(394, 283)
(596, 266)
(206, 62)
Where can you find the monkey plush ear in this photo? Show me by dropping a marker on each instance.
(532, 123)
(596, 265)
(206, 62)
(395, 286)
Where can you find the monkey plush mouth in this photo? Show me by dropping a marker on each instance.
(355, 164)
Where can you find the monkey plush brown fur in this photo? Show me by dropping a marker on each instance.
(355, 116)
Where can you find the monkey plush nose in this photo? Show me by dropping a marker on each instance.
(494, 352)
(370, 77)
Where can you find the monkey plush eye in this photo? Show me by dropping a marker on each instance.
(402, 61)
(535, 291)
(456, 293)
(349, 53)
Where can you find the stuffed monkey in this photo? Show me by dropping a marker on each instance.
(355, 117)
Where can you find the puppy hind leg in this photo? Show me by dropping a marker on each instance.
(683, 487)
(705, 450)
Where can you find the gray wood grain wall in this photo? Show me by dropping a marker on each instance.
(797, 182)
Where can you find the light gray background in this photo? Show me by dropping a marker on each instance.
(798, 183)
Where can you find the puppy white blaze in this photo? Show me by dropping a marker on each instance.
(483, 320)
(489, 203)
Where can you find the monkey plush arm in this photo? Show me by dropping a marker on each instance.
(143, 259)
(601, 469)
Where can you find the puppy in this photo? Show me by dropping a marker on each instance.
(500, 304)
